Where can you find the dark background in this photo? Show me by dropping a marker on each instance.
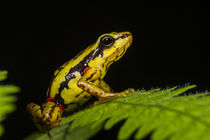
(170, 48)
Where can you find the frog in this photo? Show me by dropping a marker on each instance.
(80, 79)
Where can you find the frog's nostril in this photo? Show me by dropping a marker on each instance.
(123, 36)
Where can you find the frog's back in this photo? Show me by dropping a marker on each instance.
(61, 78)
(64, 86)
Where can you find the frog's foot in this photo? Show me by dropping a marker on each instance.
(125, 92)
(106, 96)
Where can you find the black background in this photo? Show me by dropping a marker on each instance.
(170, 47)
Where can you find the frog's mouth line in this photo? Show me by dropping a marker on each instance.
(123, 52)
(126, 45)
(124, 48)
(117, 55)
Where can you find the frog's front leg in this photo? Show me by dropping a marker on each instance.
(92, 75)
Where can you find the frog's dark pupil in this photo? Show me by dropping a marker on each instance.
(107, 40)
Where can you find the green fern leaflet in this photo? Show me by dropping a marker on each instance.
(6, 99)
(161, 113)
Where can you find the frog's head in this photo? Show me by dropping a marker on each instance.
(114, 45)
(109, 48)
(47, 116)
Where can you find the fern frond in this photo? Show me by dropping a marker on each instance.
(161, 113)
(6, 100)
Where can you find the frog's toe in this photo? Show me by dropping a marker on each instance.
(131, 90)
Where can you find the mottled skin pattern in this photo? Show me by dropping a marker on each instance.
(76, 81)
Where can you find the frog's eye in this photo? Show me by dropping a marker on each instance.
(107, 41)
